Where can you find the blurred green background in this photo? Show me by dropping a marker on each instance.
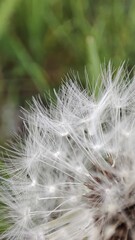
(41, 40)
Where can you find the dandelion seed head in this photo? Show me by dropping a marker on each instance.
(72, 175)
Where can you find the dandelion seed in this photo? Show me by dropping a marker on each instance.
(72, 176)
(52, 189)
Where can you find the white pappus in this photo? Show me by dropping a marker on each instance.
(72, 177)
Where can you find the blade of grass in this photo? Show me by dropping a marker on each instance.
(39, 77)
(93, 63)
(7, 8)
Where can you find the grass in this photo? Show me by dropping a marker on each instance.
(40, 41)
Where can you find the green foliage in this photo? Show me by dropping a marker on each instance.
(40, 41)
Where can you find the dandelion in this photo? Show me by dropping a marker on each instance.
(72, 176)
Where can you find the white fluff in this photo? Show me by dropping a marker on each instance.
(73, 175)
